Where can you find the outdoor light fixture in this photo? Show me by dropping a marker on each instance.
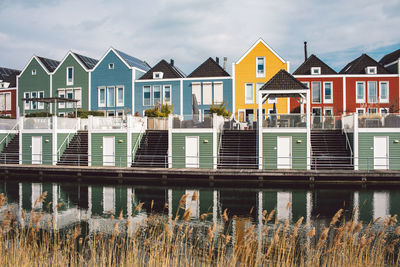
(205, 141)
(396, 141)
(46, 141)
(299, 141)
(120, 141)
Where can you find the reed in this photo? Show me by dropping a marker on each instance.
(162, 241)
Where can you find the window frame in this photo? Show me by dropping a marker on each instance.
(216, 84)
(376, 91)
(376, 111)
(70, 82)
(360, 109)
(111, 66)
(40, 104)
(209, 99)
(197, 84)
(27, 104)
(99, 104)
(312, 94)
(380, 110)
(170, 94)
(79, 103)
(158, 75)
(109, 95)
(328, 101)
(34, 102)
(318, 69)
(373, 68)
(258, 74)
(34, 72)
(387, 92)
(69, 91)
(357, 99)
(144, 91)
(246, 94)
(117, 88)
(154, 91)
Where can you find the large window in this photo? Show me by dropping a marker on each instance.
(146, 96)
(260, 67)
(316, 92)
(167, 94)
(70, 75)
(328, 92)
(70, 95)
(207, 93)
(218, 92)
(78, 96)
(102, 96)
(249, 94)
(27, 103)
(384, 92)
(41, 104)
(110, 96)
(372, 92)
(34, 103)
(5, 101)
(156, 94)
(360, 92)
(120, 96)
(196, 90)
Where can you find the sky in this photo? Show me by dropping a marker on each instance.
(190, 31)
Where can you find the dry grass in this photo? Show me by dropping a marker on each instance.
(160, 241)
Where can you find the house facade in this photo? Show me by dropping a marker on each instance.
(391, 61)
(162, 84)
(256, 67)
(112, 83)
(35, 81)
(210, 84)
(8, 92)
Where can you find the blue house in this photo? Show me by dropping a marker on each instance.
(161, 84)
(210, 83)
(112, 83)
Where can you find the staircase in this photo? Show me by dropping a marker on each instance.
(153, 150)
(10, 154)
(238, 150)
(329, 150)
(76, 154)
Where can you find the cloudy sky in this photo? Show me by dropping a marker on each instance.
(190, 31)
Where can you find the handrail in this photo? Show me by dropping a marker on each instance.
(348, 143)
(8, 134)
(59, 149)
(219, 146)
(135, 147)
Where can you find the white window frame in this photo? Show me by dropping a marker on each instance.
(360, 109)
(328, 108)
(154, 91)
(108, 96)
(207, 93)
(170, 94)
(3, 101)
(259, 74)
(158, 75)
(328, 101)
(315, 70)
(258, 87)
(376, 91)
(120, 104)
(111, 112)
(197, 94)
(99, 104)
(145, 87)
(34, 102)
(111, 66)
(387, 110)
(373, 112)
(69, 91)
(70, 82)
(27, 104)
(40, 104)
(34, 72)
(363, 99)
(312, 98)
(7, 101)
(386, 100)
(246, 94)
(79, 103)
(217, 95)
(371, 70)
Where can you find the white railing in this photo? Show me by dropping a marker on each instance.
(67, 123)
(138, 140)
(285, 121)
(326, 122)
(37, 123)
(376, 120)
(66, 143)
(137, 123)
(348, 122)
(84, 124)
(8, 124)
(192, 121)
(7, 138)
(101, 123)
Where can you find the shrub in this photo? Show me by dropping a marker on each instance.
(220, 109)
(160, 110)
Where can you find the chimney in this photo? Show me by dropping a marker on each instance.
(217, 60)
(305, 51)
(225, 59)
(172, 62)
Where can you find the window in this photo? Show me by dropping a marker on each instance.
(360, 111)
(316, 92)
(371, 70)
(34, 103)
(167, 94)
(372, 92)
(328, 111)
(120, 96)
(34, 72)
(102, 96)
(306, 84)
(249, 94)
(196, 90)
(27, 103)
(111, 66)
(110, 96)
(5, 101)
(78, 96)
(111, 113)
(218, 92)
(146, 95)
(260, 67)
(258, 87)
(61, 94)
(41, 104)
(158, 75)
(315, 70)
(372, 110)
(384, 92)
(360, 92)
(207, 93)
(70, 75)
(384, 110)
(156, 94)
(328, 92)
(70, 95)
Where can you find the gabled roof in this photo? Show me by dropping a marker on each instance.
(389, 58)
(358, 66)
(132, 61)
(88, 62)
(209, 68)
(283, 80)
(49, 64)
(9, 75)
(170, 71)
(260, 40)
(314, 61)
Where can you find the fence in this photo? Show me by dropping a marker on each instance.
(8, 124)
(192, 121)
(285, 121)
(101, 123)
(326, 122)
(379, 120)
(68, 123)
(157, 123)
(37, 123)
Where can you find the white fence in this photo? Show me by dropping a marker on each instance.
(7, 124)
(37, 123)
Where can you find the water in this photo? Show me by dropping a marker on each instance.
(93, 204)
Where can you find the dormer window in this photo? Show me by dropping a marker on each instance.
(111, 66)
(158, 75)
(315, 70)
(371, 70)
(34, 72)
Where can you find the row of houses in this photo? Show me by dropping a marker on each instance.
(120, 84)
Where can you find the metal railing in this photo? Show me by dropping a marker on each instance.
(192, 121)
(101, 123)
(66, 139)
(6, 139)
(376, 120)
(37, 123)
(138, 141)
(285, 121)
(326, 122)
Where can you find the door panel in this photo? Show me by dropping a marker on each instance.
(284, 153)
(192, 151)
(108, 151)
(381, 153)
(36, 150)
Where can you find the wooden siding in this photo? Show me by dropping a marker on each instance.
(120, 149)
(47, 151)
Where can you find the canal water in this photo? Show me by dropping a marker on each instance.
(93, 204)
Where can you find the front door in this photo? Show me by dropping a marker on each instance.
(108, 151)
(192, 151)
(36, 150)
(381, 153)
(284, 153)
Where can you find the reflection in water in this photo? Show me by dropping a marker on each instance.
(70, 204)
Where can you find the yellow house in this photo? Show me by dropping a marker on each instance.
(256, 67)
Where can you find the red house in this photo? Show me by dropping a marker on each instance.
(369, 87)
(326, 87)
(8, 92)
